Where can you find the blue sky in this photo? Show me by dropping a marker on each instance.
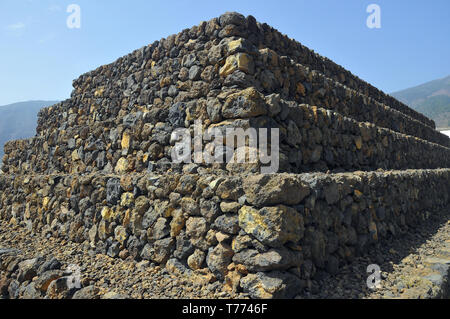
(40, 56)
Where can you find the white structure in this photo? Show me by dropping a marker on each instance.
(446, 133)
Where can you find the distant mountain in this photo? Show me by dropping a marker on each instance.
(432, 99)
(19, 121)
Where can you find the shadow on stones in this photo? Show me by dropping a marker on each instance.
(351, 280)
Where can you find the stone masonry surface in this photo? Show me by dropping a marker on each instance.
(254, 231)
(357, 168)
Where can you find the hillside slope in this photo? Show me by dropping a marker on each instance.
(18, 120)
(432, 99)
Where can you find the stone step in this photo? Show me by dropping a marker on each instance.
(311, 139)
(355, 104)
(160, 81)
(314, 89)
(266, 36)
(244, 229)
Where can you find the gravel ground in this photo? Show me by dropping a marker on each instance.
(112, 275)
(413, 266)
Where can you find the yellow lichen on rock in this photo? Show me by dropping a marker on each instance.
(250, 217)
(127, 199)
(99, 92)
(233, 45)
(75, 156)
(126, 139)
(107, 213)
(239, 61)
(121, 166)
(273, 226)
(45, 203)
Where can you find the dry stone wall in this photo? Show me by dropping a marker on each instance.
(251, 232)
(196, 65)
(276, 41)
(311, 139)
(356, 166)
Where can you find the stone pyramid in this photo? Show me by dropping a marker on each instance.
(354, 165)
